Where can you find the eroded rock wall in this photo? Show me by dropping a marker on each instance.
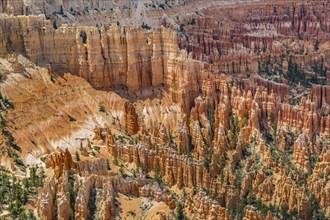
(104, 56)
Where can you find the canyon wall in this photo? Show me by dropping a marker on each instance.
(109, 56)
(22, 7)
(104, 56)
(51, 111)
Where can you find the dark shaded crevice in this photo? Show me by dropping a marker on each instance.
(83, 36)
(55, 214)
(92, 203)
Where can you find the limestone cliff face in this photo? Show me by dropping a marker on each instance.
(48, 107)
(78, 7)
(104, 56)
(109, 56)
(12, 7)
(232, 46)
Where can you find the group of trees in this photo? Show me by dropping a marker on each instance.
(11, 147)
(179, 212)
(295, 74)
(72, 192)
(9, 139)
(158, 176)
(182, 31)
(15, 192)
(320, 69)
(280, 211)
(192, 21)
(265, 68)
(234, 129)
(5, 103)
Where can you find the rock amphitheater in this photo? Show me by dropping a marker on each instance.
(165, 109)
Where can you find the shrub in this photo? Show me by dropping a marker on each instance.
(145, 26)
(72, 119)
(121, 169)
(179, 213)
(158, 175)
(132, 213)
(162, 6)
(192, 21)
(317, 45)
(207, 163)
(234, 130)
(102, 108)
(77, 156)
(55, 25)
(72, 193)
(97, 148)
(19, 162)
